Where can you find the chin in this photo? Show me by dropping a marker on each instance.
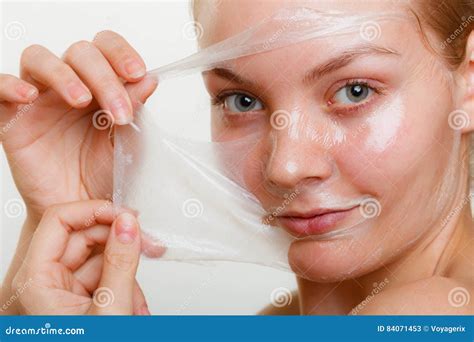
(333, 260)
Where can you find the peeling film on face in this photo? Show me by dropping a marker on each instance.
(322, 122)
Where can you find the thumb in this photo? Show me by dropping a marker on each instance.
(140, 91)
(114, 295)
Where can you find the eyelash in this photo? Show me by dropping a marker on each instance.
(219, 99)
(355, 109)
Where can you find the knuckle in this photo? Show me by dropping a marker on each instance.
(78, 48)
(52, 211)
(106, 35)
(120, 260)
(30, 52)
(58, 72)
(110, 82)
(6, 81)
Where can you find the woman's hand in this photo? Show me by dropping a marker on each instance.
(61, 274)
(58, 150)
(54, 134)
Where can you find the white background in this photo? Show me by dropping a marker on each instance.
(155, 29)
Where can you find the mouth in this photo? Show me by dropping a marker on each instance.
(315, 222)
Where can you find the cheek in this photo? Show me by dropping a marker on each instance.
(400, 140)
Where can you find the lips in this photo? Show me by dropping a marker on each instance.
(315, 222)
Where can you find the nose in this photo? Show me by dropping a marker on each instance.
(296, 159)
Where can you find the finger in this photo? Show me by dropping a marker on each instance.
(152, 247)
(140, 91)
(44, 67)
(81, 243)
(121, 257)
(96, 72)
(126, 62)
(12, 89)
(90, 272)
(50, 239)
(140, 306)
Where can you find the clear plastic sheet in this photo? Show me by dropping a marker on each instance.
(196, 211)
(199, 198)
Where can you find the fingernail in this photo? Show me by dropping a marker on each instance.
(121, 112)
(32, 93)
(27, 92)
(78, 93)
(134, 68)
(126, 228)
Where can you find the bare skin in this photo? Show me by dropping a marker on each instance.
(420, 280)
(434, 265)
(419, 284)
(59, 97)
(65, 279)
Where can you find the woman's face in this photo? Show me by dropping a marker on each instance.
(359, 140)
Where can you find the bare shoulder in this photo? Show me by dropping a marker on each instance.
(292, 309)
(431, 296)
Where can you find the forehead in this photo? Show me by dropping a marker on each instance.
(222, 19)
(367, 27)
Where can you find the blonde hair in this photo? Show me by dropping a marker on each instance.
(452, 22)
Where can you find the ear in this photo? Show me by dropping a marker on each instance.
(467, 105)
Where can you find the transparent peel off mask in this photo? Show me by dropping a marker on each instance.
(212, 198)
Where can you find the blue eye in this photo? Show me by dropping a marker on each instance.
(353, 93)
(239, 103)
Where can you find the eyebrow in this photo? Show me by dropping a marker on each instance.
(331, 65)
